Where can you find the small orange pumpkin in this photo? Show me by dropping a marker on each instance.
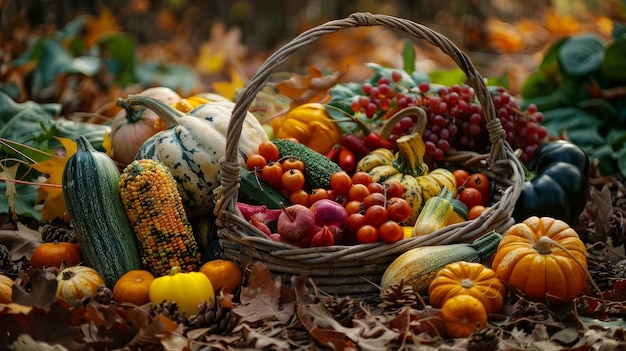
(463, 314)
(6, 289)
(52, 254)
(133, 287)
(544, 258)
(223, 274)
(467, 278)
(76, 283)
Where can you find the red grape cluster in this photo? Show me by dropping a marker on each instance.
(455, 118)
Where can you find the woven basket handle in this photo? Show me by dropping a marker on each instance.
(230, 167)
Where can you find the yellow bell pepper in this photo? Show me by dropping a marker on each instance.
(311, 125)
(188, 290)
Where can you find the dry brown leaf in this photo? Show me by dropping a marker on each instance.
(312, 88)
(21, 242)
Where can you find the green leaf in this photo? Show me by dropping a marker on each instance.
(600, 108)
(176, 77)
(616, 138)
(581, 55)
(449, 77)
(21, 122)
(614, 64)
(501, 81)
(582, 128)
(406, 82)
(24, 200)
(549, 66)
(408, 57)
(621, 160)
(604, 155)
(56, 61)
(120, 60)
(538, 84)
(64, 128)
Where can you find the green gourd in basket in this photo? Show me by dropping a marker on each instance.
(357, 270)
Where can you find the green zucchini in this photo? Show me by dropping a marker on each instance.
(317, 168)
(254, 190)
(91, 191)
(419, 266)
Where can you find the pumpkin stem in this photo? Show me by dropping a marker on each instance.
(467, 283)
(546, 241)
(132, 115)
(166, 112)
(68, 274)
(175, 270)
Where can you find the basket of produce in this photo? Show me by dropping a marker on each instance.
(261, 219)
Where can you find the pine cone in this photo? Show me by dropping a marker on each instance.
(51, 233)
(602, 274)
(530, 312)
(6, 265)
(343, 310)
(484, 339)
(399, 295)
(218, 319)
(170, 310)
(619, 269)
(104, 295)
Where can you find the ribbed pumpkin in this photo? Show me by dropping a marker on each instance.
(223, 274)
(133, 287)
(6, 289)
(463, 314)
(194, 145)
(188, 290)
(544, 258)
(467, 278)
(132, 127)
(54, 253)
(76, 283)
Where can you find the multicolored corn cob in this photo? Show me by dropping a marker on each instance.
(154, 207)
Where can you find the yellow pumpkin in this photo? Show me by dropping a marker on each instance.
(223, 274)
(467, 278)
(133, 287)
(188, 290)
(463, 314)
(6, 289)
(76, 283)
(544, 258)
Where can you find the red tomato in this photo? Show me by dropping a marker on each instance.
(300, 197)
(367, 234)
(390, 232)
(399, 209)
(361, 178)
(461, 176)
(256, 162)
(341, 182)
(394, 188)
(471, 197)
(475, 212)
(318, 194)
(376, 215)
(353, 206)
(358, 192)
(375, 188)
(292, 163)
(293, 180)
(273, 174)
(269, 150)
(481, 182)
(346, 159)
(374, 199)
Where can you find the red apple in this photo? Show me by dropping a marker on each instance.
(296, 223)
(329, 213)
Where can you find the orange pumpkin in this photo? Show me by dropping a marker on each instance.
(463, 314)
(467, 278)
(52, 254)
(6, 289)
(223, 274)
(76, 283)
(131, 127)
(544, 258)
(133, 287)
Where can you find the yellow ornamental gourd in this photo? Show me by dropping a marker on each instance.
(193, 146)
(408, 168)
(188, 290)
(6, 289)
(544, 258)
(311, 125)
(74, 284)
(467, 278)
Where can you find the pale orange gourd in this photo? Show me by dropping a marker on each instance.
(463, 314)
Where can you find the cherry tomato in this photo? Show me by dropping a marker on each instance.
(475, 212)
(255, 162)
(341, 182)
(358, 192)
(273, 174)
(394, 188)
(353, 206)
(361, 178)
(367, 234)
(390, 232)
(481, 182)
(318, 194)
(293, 180)
(373, 199)
(376, 215)
(355, 221)
(399, 209)
(375, 188)
(461, 176)
(346, 159)
(470, 197)
(292, 163)
(269, 150)
(300, 197)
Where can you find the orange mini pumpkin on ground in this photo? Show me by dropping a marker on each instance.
(463, 314)
(544, 258)
(76, 283)
(223, 274)
(53, 253)
(133, 287)
(467, 278)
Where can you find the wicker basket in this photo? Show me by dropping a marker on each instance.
(357, 270)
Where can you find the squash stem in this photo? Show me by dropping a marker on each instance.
(166, 112)
(419, 127)
(410, 160)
